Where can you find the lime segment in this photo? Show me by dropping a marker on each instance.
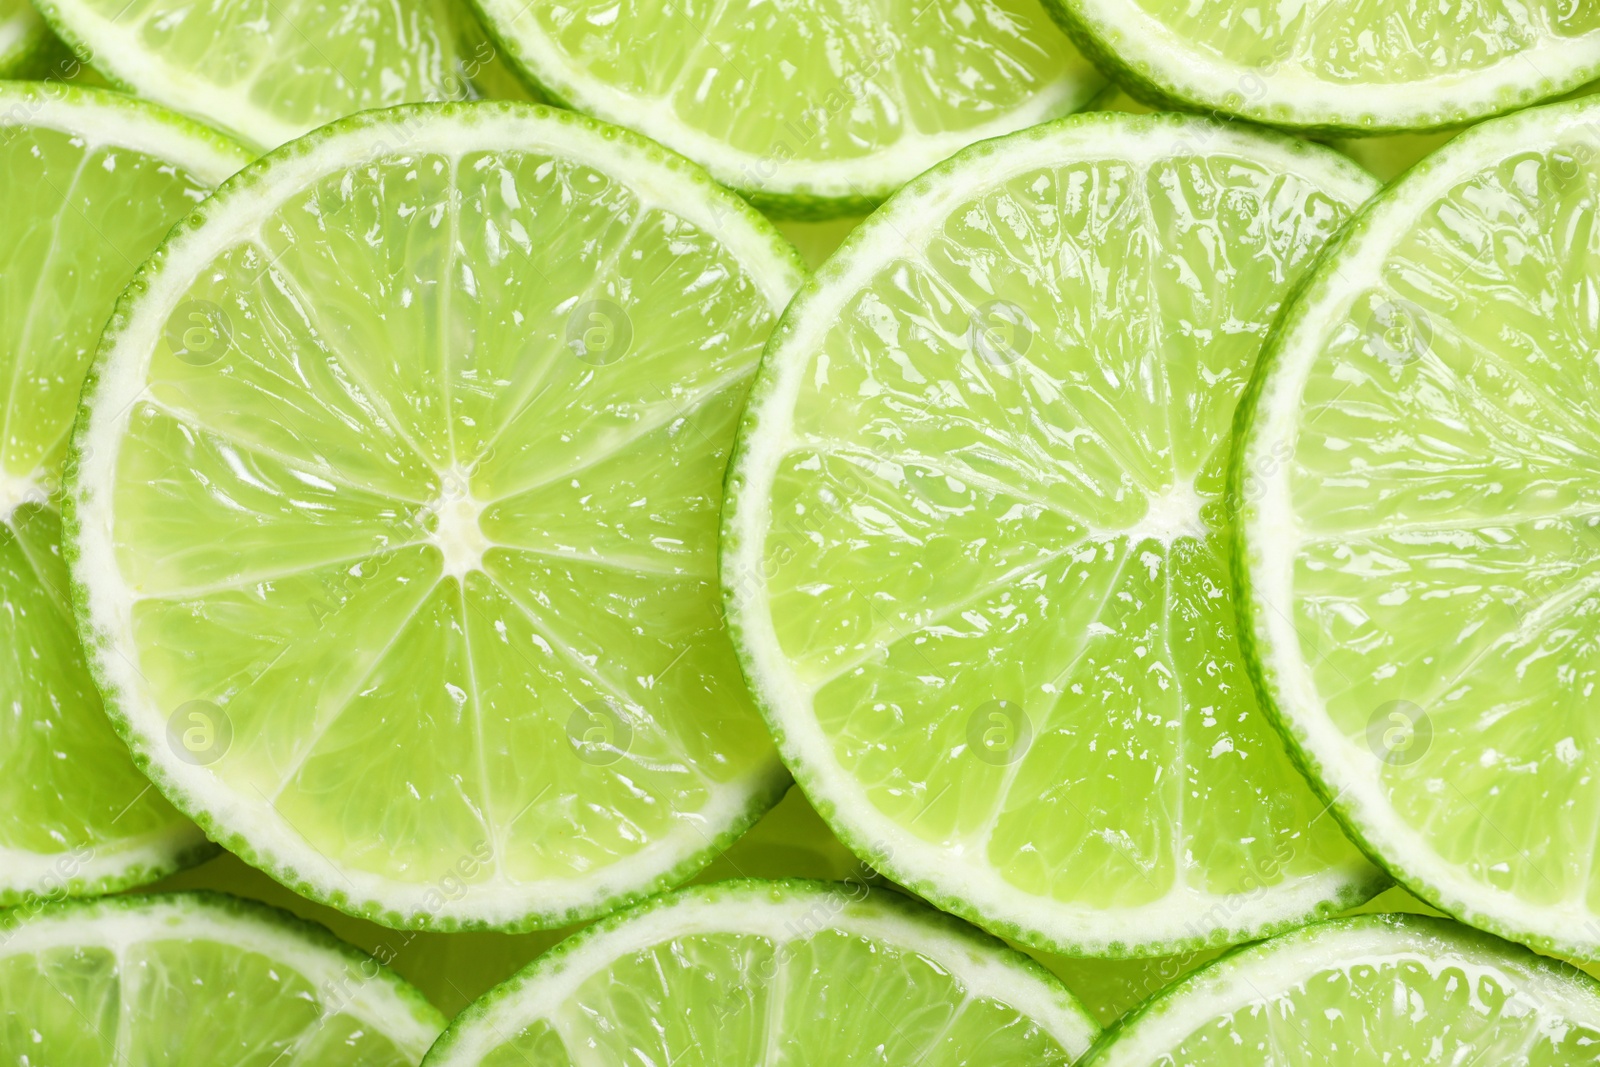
(22, 34)
(774, 972)
(972, 551)
(1421, 500)
(1363, 992)
(810, 109)
(197, 978)
(94, 181)
(421, 524)
(1351, 66)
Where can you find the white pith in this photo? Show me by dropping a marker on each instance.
(101, 119)
(801, 914)
(497, 900)
(874, 174)
(346, 984)
(1295, 94)
(1282, 967)
(1272, 536)
(943, 872)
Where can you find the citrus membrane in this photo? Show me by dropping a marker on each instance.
(94, 180)
(973, 551)
(792, 972)
(395, 518)
(1344, 66)
(190, 979)
(1420, 528)
(807, 108)
(269, 73)
(1367, 991)
(23, 35)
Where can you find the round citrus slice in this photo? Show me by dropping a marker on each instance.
(807, 108)
(774, 972)
(93, 182)
(1343, 66)
(271, 72)
(191, 979)
(1420, 528)
(1366, 992)
(972, 552)
(395, 515)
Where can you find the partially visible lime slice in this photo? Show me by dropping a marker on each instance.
(1367, 992)
(23, 35)
(1350, 66)
(268, 73)
(1420, 517)
(786, 972)
(93, 181)
(192, 979)
(972, 547)
(396, 515)
(811, 108)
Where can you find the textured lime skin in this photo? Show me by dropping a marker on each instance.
(880, 855)
(777, 779)
(1443, 929)
(733, 891)
(1316, 282)
(1157, 89)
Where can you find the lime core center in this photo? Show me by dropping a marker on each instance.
(456, 530)
(1174, 513)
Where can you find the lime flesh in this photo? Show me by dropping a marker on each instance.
(184, 980)
(1421, 498)
(774, 972)
(809, 109)
(93, 181)
(972, 546)
(402, 569)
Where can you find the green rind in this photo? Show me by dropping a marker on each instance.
(1144, 83)
(1443, 929)
(876, 853)
(185, 851)
(1311, 284)
(248, 911)
(735, 889)
(97, 647)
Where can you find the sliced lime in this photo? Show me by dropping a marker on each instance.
(1348, 66)
(191, 979)
(268, 73)
(23, 37)
(397, 513)
(1367, 992)
(971, 547)
(1420, 517)
(811, 109)
(774, 972)
(93, 181)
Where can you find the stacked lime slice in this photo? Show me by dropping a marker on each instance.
(190, 979)
(774, 972)
(268, 73)
(808, 108)
(23, 35)
(396, 507)
(93, 181)
(1347, 66)
(1420, 527)
(1367, 992)
(973, 547)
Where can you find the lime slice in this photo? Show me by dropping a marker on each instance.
(1367, 992)
(397, 510)
(971, 552)
(810, 108)
(1344, 66)
(93, 181)
(271, 72)
(186, 979)
(1419, 508)
(23, 37)
(774, 972)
